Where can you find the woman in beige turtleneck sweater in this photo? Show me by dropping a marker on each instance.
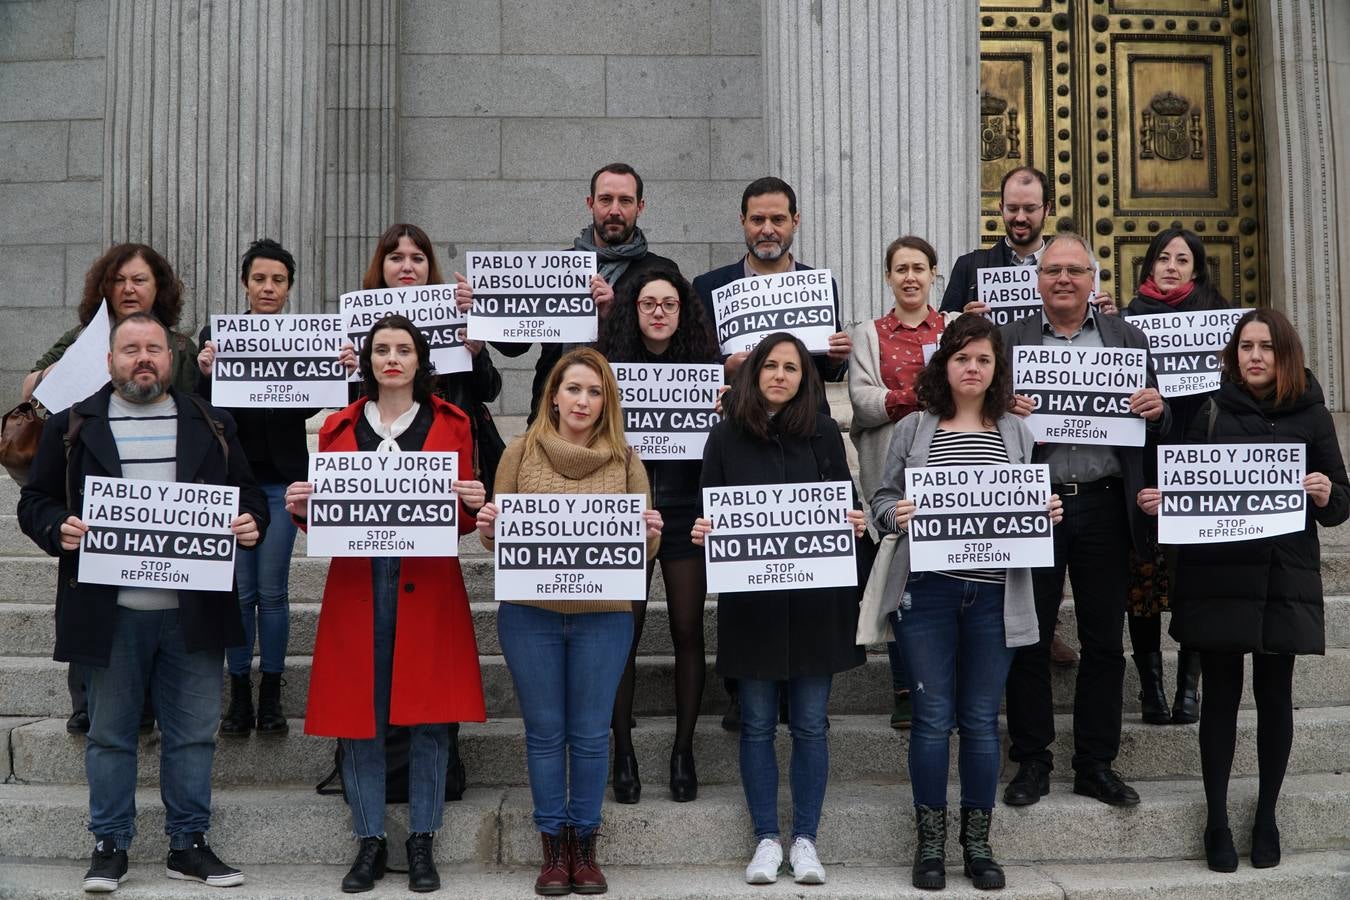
(566, 656)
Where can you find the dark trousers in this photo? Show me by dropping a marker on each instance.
(1092, 543)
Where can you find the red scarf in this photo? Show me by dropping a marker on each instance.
(1172, 298)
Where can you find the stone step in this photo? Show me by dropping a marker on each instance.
(1317, 875)
(35, 686)
(862, 747)
(862, 824)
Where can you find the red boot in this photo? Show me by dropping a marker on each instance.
(586, 875)
(555, 875)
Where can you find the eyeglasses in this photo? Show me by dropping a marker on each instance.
(1028, 209)
(1073, 271)
(669, 307)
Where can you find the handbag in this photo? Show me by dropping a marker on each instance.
(20, 432)
(488, 446)
(397, 739)
(881, 568)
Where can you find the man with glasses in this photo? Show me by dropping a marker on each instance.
(1024, 203)
(1098, 485)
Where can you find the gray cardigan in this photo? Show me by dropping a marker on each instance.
(870, 430)
(909, 447)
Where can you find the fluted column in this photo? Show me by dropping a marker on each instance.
(871, 112)
(214, 137)
(1305, 173)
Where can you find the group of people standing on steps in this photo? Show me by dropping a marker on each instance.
(928, 386)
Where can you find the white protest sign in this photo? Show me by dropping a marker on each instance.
(158, 534)
(384, 504)
(535, 296)
(82, 370)
(779, 536)
(1081, 395)
(1186, 348)
(1213, 493)
(1010, 291)
(979, 517)
(278, 361)
(800, 303)
(430, 307)
(668, 408)
(570, 547)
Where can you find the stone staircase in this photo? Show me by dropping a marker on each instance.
(295, 844)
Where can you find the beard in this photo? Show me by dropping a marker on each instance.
(602, 232)
(768, 251)
(134, 392)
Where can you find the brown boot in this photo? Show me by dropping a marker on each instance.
(555, 876)
(586, 875)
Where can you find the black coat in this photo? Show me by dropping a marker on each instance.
(85, 612)
(782, 634)
(1262, 596)
(963, 285)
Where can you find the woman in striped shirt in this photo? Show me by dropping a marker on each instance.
(957, 629)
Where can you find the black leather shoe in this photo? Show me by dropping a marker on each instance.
(78, 723)
(1219, 852)
(1152, 697)
(1265, 846)
(371, 859)
(627, 786)
(422, 874)
(1029, 785)
(1105, 785)
(683, 780)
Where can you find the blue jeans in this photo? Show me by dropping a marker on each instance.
(953, 638)
(263, 574)
(566, 670)
(147, 648)
(808, 708)
(363, 762)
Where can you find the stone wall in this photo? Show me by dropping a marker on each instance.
(51, 171)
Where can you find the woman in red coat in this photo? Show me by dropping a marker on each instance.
(395, 642)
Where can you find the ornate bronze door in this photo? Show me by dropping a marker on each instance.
(1144, 113)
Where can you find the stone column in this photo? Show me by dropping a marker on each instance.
(1303, 57)
(214, 137)
(362, 136)
(871, 111)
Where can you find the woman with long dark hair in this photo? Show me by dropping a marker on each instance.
(659, 319)
(958, 630)
(772, 432)
(395, 643)
(1176, 278)
(1262, 596)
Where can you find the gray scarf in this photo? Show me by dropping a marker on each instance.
(612, 261)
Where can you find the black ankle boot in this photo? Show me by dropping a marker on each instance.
(930, 851)
(1186, 707)
(627, 786)
(422, 874)
(1220, 854)
(683, 780)
(238, 719)
(1265, 846)
(371, 859)
(456, 779)
(1152, 697)
(981, 869)
(271, 720)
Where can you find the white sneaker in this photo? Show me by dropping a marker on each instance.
(806, 867)
(768, 859)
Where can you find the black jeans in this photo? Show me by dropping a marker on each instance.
(1092, 542)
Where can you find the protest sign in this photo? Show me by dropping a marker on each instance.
(800, 303)
(1212, 493)
(534, 296)
(780, 537)
(158, 534)
(1081, 395)
(383, 504)
(979, 517)
(570, 547)
(1010, 292)
(1186, 348)
(81, 370)
(430, 307)
(278, 361)
(668, 408)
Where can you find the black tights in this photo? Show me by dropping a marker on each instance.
(1272, 685)
(1145, 633)
(686, 591)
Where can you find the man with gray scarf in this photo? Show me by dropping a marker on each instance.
(621, 252)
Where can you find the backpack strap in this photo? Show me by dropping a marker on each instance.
(73, 426)
(217, 426)
(1213, 417)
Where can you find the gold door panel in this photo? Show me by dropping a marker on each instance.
(1149, 119)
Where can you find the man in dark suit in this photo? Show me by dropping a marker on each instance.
(1024, 202)
(1098, 485)
(769, 218)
